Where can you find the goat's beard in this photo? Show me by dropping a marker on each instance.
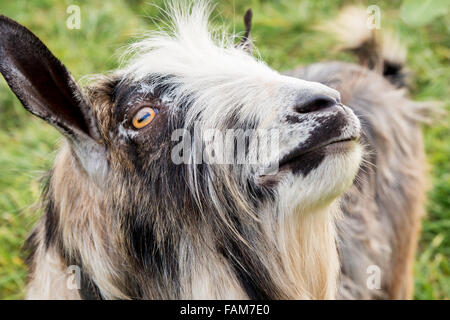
(324, 184)
(220, 216)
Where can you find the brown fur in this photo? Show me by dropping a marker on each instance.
(383, 209)
(137, 229)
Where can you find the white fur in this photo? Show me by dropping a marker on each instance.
(221, 81)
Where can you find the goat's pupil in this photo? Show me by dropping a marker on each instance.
(145, 116)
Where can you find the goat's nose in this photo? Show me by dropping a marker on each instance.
(315, 103)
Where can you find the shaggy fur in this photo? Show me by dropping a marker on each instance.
(140, 226)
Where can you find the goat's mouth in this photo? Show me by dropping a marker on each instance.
(305, 159)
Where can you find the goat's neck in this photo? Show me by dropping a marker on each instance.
(307, 245)
(302, 259)
(303, 262)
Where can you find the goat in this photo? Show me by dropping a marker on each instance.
(347, 192)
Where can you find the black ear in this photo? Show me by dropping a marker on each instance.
(246, 41)
(41, 82)
(47, 89)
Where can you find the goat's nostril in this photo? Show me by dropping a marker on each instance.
(315, 103)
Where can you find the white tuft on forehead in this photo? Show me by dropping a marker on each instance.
(190, 48)
(219, 80)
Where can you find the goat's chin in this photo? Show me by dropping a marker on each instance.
(323, 184)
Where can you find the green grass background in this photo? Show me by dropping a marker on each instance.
(285, 35)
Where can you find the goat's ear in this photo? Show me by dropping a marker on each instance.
(41, 82)
(246, 42)
(46, 88)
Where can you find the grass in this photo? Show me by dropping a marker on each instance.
(285, 36)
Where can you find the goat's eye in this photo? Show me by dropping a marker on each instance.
(143, 117)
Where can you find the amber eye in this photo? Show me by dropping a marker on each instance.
(143, 117)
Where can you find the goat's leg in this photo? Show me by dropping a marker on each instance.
(403, 283)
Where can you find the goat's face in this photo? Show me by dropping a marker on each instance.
(300, 144)
(274, 132)
(228, 117)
